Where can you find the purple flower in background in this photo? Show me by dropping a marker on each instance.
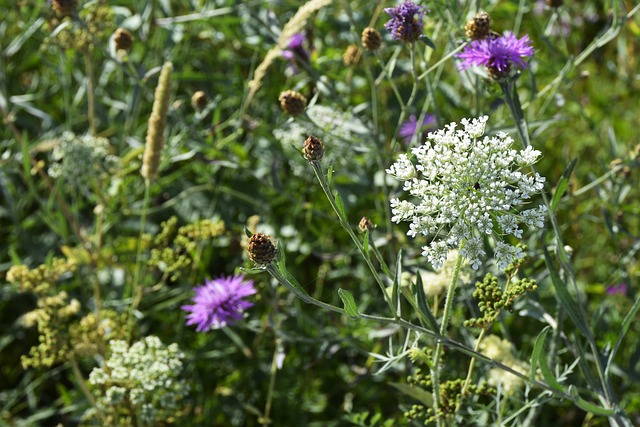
(409, 128)
(295, 50)
(406, 21)
(620, 289)
(219, 302)
(498, 53)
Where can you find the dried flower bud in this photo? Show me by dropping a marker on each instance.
(199, 100)
(63, 7)
(371, 39)
(313, 149)
(479, 27)
(157, 121)
(261, 249)
(555, 3)
(350, 55)
(292, 102)
(365, 224)
(123, 39)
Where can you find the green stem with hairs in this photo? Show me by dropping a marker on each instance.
(435, 369)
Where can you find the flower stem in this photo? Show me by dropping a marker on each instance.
(344, 222)
(137, 288)
(435, 370)
(472, 365)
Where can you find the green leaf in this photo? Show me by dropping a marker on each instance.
(419, 394)
(329, 174)
(395, 289)
(563, 185)
(539, 357)
(588, 406)
(340, 205)
(569, 303)
(426, 40)
(626, 323)
(248, 232)
(349, 303)
(423, 307)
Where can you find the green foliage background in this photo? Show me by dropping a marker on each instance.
(225, 163)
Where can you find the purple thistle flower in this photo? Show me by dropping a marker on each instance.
(219, 302)
(497, 53)
(620, 289)
(295, 49)
(406, 21)
(408, 128)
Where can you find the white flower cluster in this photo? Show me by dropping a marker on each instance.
(435, 283)
(81, 160)
(464, 187)
(501, 351)
(144, 377)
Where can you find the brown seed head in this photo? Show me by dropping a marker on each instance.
(371, 39)
(292, 102)
(261, 249)
(63, 7)
(199, 100)
(479, 27)
(350, 55)
(313, 149)
(365, 224)
(123, 39)
(555, 3)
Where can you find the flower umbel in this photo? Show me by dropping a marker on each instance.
(219, 302)
(498, 54)
(406, 21)
(464, 187)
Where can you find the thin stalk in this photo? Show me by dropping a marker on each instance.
(272, 385)
(344, 222)
(82, 384)
(435, 370)
(91, 107)
(472, 364)
(137, 289)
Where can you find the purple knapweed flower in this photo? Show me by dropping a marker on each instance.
(295, 51)
(219, 302)
(620, 289)
(408, 128)
(406, 21)
(497, 53)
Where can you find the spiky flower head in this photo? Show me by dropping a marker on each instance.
(406, 21)
(219, 302)
(478, 27)
(371, 39)
(123, 39)
(292, 102)
(464, 187)
(313, 149)
(497, 54)
(261, 249)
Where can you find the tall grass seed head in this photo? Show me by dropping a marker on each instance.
(313, 149)
(261, 249)
(463, 187)
(406, 23)
(350, 55)
(292, 102)
(371, 39)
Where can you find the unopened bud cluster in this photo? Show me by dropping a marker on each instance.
(371, 39)
(478, 27)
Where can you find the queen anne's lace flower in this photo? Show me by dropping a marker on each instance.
(463, 187)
